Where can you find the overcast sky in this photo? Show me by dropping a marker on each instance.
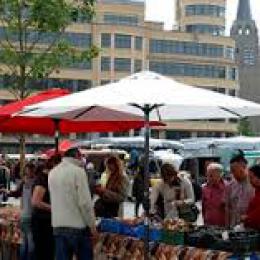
(162, 10)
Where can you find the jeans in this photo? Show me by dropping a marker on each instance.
(70, 241)
(27, 246)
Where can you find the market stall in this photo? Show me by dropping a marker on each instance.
(174, 239)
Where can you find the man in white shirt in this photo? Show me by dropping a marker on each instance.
(73, 218)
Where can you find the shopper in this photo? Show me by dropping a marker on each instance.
(41, 215)
(73, 218)
(252, 217)
(176, 191)
(239, 191)
(115, 189)
(138, 189)
(213, 196)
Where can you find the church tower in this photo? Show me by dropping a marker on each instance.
(244, 32)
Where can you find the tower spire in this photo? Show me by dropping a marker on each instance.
(244, 11)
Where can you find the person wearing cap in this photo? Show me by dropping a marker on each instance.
(252, 217)
(73, 218)
(213, 196)
(239, 191)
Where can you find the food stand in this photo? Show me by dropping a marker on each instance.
(174, 239)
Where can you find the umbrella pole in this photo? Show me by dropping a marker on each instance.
(56, 134)
(146, 110)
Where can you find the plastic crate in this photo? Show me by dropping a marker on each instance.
(173, 237)
(244, 242)
(110, 226)
(154, 233)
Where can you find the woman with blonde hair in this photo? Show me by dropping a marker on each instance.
(114, 191)
(175, 189)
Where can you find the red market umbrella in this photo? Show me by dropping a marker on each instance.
(94, 119)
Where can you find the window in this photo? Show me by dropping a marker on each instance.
(123, 41)
(84, 84)
(138, 43)
(105, 63)
(186, 69)
(131, 20)
(232, 92)
(230, 53)
(123, 64)
(206, 28)
(76, 39)
(208, 10)
(105, 40)
(138, 65)
(177, 135)
(232, 73)
(104, 82)
(189, 48)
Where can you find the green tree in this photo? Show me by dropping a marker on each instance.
(244, 127)
(33, 41)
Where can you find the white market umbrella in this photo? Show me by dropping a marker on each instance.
(152, 95)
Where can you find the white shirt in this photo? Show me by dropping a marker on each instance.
(71, 204)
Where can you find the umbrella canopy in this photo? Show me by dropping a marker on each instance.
(180, 101)
(99, 119)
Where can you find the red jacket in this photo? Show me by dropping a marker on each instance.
(253, 212)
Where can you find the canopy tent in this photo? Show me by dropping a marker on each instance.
(132, 142)
(153, 96)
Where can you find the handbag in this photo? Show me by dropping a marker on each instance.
(188, 212)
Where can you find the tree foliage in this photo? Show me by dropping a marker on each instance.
(33, 42)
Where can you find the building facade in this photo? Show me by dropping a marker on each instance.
(195, 52)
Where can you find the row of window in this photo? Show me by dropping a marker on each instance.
(75, 39)
(121, 41)
(193, 70)
(168, 46)
(181, 47)
(171, 68)
(215, 30)
(120, 64)
(66, 63)
(73, 85)
(111, 18)
(208, 10)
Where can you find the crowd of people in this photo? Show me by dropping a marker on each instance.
(61, 198)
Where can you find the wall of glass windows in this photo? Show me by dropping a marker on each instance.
(186, 69)
(208, 10)
(111, 18)
(123, 41)
(189, 48)
(75, 39)
(122, 64)
(206, 28)
(71, 84)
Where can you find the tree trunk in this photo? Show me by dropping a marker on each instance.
(22, 153)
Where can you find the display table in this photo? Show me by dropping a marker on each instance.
(114, 246)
